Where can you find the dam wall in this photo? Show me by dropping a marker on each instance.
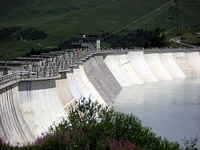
(139, 64)
(40, 103)
(29, 106)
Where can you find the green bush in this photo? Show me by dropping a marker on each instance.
(87, 127)
(191, 144)
(102, 126)
(97, 120)
(5, 32)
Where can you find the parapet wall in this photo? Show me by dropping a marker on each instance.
(29, 103)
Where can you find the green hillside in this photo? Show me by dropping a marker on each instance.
(62, 19)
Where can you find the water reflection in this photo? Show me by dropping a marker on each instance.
(171, 108)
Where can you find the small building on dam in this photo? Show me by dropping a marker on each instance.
(83, 42)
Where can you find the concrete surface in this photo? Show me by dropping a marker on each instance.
(194, 60)
(141, 67)
(112, 63)
(90, 86)
(73, 87)
(182, 62)
(13, 128)
(129, 72)
(64, 93)
(157, 67)
(41, 106)
(95, 76)
(170, 64)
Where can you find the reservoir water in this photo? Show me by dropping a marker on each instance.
(170, 108)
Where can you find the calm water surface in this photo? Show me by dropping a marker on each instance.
(170, 108)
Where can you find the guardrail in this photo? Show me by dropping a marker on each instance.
(8, 78)
(14, 76)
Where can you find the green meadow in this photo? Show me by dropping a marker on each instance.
(62, 19)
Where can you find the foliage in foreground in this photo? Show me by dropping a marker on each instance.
(92, 126)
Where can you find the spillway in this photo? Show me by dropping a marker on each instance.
(29, 107)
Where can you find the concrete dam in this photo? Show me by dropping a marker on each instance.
(29, 105)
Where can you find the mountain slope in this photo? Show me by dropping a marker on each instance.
(62, 19)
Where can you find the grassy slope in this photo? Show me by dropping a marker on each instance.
(62, 19)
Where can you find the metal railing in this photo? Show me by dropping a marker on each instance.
(8, 78)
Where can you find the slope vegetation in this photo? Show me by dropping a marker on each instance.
(62, 19)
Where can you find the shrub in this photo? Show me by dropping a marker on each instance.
(103, 124)
(5, 32)
(191, 144)
(98, 120)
